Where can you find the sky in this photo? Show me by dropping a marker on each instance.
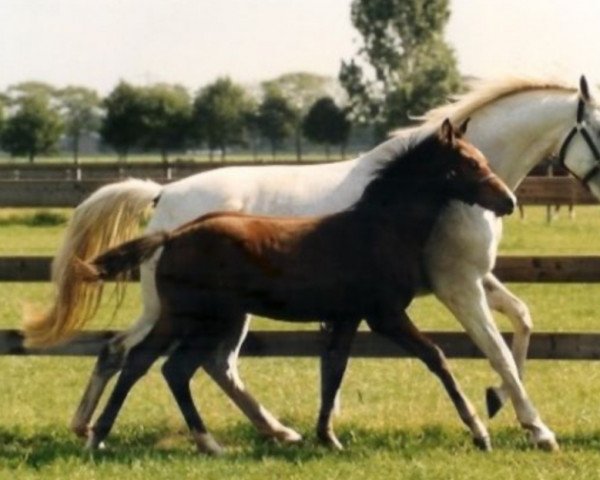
(96, 43)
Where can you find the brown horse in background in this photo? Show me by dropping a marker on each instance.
(364, 262)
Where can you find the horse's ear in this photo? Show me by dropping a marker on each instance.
(446, 132)
(463, 126)
(584, 90)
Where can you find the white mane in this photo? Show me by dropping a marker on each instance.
(487, 92)
(483, 93)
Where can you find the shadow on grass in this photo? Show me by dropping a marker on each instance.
(242, 443)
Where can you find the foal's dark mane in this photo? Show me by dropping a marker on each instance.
(414, 169)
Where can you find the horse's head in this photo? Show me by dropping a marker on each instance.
(469, 177)
(580, 150)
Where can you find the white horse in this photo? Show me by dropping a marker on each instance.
(516, 123)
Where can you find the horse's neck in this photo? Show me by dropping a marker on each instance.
(516, 133)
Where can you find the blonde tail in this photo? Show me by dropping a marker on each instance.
(110, 216)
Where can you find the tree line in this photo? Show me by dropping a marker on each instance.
(165, 118)
(402, 68)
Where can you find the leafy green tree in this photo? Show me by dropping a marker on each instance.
(220, 114)
(300, 90)
(81, 114)
(403, 67)
(33, 129)
(2, 107)
(22, 90)
(277, 119)
(123, 124)
(326, 123)
(166, 118)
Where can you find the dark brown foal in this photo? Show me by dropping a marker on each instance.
(364, 262)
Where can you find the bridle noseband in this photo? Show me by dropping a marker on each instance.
(580, 127)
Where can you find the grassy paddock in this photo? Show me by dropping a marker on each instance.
(395, 420)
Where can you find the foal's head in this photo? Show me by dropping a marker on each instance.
(468, 176)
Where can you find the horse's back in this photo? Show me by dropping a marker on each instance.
(270, 190)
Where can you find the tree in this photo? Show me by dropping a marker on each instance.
(34, 128)
(15, 93)
(300, 90)
(166, 117)
(220, 114)
(327, 124)
(81, 113)
(403, 67)
(277, 120)
(122, 125)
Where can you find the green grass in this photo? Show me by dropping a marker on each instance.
(395, 421)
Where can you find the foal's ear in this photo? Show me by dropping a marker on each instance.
(584, 90)
(447, 133)
(463, 127)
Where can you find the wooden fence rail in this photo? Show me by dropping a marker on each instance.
(509, 268)
(544, 346)
(69, 193)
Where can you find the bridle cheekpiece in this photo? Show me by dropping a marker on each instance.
(580, 127)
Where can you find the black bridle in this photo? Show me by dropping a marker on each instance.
(580, 127)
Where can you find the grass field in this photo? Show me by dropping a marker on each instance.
(395, 420)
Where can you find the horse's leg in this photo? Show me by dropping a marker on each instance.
(137, 363)
(502, 300)
(402, 331)
(222, 367)
(333, 366)
(113, 355)
(178, 371)
(110, 361)
(466, 300)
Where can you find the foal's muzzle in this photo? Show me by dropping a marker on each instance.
(496, 196)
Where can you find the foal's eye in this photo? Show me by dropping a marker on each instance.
(474, 165)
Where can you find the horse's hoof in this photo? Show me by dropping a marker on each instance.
(548, 445)
(287, 435)
(493, 401)
(483, 443)
(206, 444)
(81, 431)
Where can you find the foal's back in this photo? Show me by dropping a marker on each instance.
(297, 269)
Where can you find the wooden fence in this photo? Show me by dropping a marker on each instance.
(68, 193)
(533, 191)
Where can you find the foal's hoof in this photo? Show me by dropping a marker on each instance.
(493, 401)
(483, 443)
(287, 435)
(93, 443)
(329, 440)
(206, 444)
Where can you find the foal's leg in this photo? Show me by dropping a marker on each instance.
(178, 370)
(113, 355)
(333, 366)
(222, 367)
(502, 300)
(402, 331)
(110, 361)
(136, 365)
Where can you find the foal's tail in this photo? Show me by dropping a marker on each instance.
(120, 259)
(110, 216)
